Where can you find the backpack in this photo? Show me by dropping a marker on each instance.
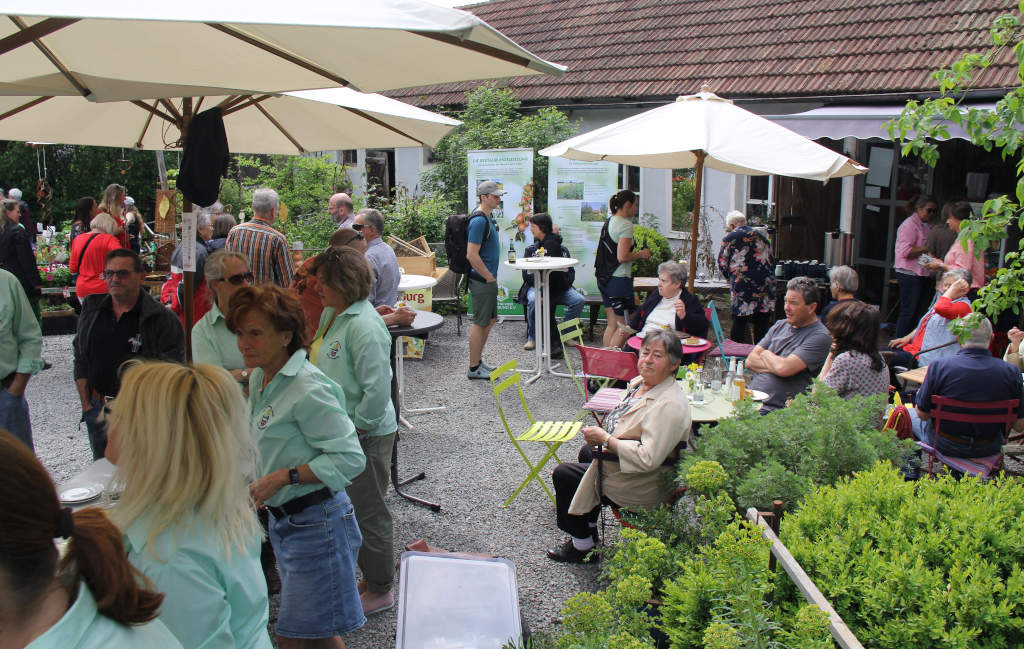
(456, 238)
(607, 256)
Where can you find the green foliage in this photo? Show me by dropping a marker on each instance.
(818, 439)
(645, 237)
(936, 563)
(706, 477)
(683, 194)
(408, 217)
(313, 230)
(56, 275)
(491, 121)
(1000, 128)
(304, 183)
(810, 629)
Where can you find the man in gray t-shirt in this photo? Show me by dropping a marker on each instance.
(792, 352)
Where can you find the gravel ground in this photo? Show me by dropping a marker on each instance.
(471, 465)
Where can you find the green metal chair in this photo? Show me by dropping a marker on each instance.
(572, 330)
(550, 433)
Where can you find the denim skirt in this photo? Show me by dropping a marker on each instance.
(316, 552)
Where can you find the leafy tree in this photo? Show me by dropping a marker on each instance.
(491, 121)
(1001, 128)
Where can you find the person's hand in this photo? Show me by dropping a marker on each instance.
(934, 265)
(263, 488)
(897, 342)
(957, 289)
(404, 316)
(492, 279)
(680, 308)
(1015, 335)
(594, 435)
(644, 254)
(384, 309)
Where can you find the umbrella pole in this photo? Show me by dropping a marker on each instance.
(188, 276)
(695, 229)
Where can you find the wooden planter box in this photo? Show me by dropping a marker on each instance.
(415, 256)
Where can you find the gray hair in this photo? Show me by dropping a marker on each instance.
(14, 193)
(673, 347)
(735, 218)
(808, 290)
(264, 201)
(955, 274)
(103, 222)
(374, 218)
(981, 335)
(203, 218)
(676, 272)
(214, 268)
(845, 278)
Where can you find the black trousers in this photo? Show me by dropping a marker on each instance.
(739, 332)
(566, 480)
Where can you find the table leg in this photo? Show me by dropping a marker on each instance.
(397, 401)
(400, 361)
(539, 330)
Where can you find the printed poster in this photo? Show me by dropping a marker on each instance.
(512, 169)
(578, 194)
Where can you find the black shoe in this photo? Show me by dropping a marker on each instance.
(567, 553)
(557, 353)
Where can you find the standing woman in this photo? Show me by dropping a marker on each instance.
(352, 346)
(617, 291)
(178, 437)
(85, 210)
(16, 256)
(90, 598)
(958, 258)
(308, 453)
(113, 199)
(88, 258)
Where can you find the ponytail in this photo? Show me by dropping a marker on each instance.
(620, 198)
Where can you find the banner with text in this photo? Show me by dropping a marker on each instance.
(512, 169)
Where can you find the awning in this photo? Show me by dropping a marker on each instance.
(861, 122)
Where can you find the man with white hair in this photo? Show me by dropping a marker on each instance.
(340, 209)
(746, 259)
(26, 215)
(265, 247)
(973, 374)
(384, 292)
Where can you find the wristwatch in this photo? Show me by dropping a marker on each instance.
(245, 376)
(293, 475)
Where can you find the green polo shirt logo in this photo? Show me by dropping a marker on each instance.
(265, 416)
(334, 349)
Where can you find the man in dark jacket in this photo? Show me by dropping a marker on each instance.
(123, 324)
(560, 282)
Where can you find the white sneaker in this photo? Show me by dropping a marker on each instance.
(530, 345)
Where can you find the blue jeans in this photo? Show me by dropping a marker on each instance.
(925, 431)
(912, 290)
(97, 429)
(14, 417)
(570, 299)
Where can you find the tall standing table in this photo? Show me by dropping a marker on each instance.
(410, 283)
(541, 269)
(424, 323)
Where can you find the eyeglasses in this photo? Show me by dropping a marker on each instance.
(358, 226)
(239, 279)
(120, 274)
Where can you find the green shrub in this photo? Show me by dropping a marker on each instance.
(645, 237)
(408, 217)
(936, 563)
(815, 441)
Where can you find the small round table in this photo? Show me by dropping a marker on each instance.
(407, 282)
(541, 268)
(424, 323)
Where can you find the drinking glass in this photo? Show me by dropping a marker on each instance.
(698, 387)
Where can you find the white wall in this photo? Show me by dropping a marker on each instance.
(409, 164)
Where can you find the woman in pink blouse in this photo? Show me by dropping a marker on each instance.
(957, 257)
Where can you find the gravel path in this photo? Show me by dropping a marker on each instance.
(471, 465)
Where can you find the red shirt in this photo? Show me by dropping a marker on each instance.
(89, 268)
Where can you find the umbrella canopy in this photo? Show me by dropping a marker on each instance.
(126, 49)
(732, 140)
(706, 130)
(288, 123)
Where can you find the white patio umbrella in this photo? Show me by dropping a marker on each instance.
(143, 49)
(706, 130)
(286, 123)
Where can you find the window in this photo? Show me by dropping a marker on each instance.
(629, 178)
(759, 199)
(349, 157)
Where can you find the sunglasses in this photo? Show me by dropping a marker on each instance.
(120, 274)
(239, 279)
(359, 226)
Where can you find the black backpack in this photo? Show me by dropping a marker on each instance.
(456, 238)
(607, 256)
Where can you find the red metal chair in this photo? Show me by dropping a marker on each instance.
(945, 409)
(606, 365)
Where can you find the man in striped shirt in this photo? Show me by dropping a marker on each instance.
(266, 248)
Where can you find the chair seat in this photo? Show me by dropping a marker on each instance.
(732, 348)
(979, 467)
(551, 431)
(604, 400)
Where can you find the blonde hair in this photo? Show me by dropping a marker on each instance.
(103, 222)
(185, 450)
(110, 201)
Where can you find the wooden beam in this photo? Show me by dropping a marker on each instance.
(231, 31)
(480, 48)
(842, 634)
(159, 113)
(166, 103)
(378, 122)
(30, 34)
(280, 128)
(25, 106)
(145, 127)
(243, 103)
(48, 53)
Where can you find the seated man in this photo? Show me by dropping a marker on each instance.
(793, 351)
(931, 340)
(971, 375)
(560, 284)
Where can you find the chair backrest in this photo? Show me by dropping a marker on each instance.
(608, 363)
(572, 330)
(503, 378)
(974, 412)
(716, 327)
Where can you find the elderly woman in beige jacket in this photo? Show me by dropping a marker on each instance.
(642, 431)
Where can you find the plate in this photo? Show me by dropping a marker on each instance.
(757, 395)
(688, 341)
(74, 495)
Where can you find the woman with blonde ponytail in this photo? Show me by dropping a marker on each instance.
(179, 437)
(91, 598)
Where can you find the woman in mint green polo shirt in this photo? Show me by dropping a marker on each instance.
(308, 453)
(179, 437)
(617, 292)
(90, 599)
(352, 346)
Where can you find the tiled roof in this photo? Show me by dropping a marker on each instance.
(641, 49)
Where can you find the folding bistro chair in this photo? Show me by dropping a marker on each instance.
(550, 433)
(725, 347)
(572, 331)
(974, 412)
(605, 366)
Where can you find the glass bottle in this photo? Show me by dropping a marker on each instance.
(511, 252)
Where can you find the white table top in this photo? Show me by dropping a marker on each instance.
(543, 263)
(409, 282)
